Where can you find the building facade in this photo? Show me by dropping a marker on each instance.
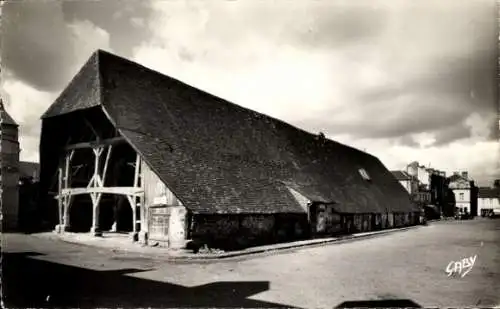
(465, 191)
(488, 201)
(422, 194)
(9, 160)
(421, 173)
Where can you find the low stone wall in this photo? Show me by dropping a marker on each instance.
(238, 231)
(230, 232)
(372, 222)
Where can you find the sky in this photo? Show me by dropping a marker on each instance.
(403, 80)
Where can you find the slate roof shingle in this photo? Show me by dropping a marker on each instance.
(401, 175)
(488, 192)
(218, 157)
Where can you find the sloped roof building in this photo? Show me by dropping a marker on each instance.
(215, 156)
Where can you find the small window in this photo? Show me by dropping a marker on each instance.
(364, 174)
(461, 196)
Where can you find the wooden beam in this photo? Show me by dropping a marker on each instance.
(102, 178)
(96, 182)
(71, 154)
(95, 176)
(106, 163)
(131, 200)
(60, 201)
(67, 200)
(77, 169)
(137, 170)
(96, 143)
(105, 190)
(66, 169)
(91, 127)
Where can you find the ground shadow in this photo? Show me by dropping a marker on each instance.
(31, 282)
(385, 303)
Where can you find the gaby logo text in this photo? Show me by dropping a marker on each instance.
(461, 267)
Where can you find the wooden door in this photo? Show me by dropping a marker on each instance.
(159, 221)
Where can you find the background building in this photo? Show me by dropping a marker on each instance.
(489, 200)
(18, 179)
(465, 192)
(421, 173)
(409, 182)
(428, 188)
(9, 177)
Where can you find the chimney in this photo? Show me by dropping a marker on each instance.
(465, 175)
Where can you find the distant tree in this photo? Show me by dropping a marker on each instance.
(496, 183)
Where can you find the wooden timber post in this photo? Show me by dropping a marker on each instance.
(67, 199)
(132, 199)
(59, 227)
(96, 181)
(64, 201)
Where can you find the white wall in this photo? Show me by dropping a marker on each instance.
(487, 203)
(423, 176)
(157, 193)
(420, 172)
(462, 202)
(406, 184)
(410, 185)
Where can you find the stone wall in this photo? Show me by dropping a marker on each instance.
(239, 231)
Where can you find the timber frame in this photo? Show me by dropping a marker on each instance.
(96, 187)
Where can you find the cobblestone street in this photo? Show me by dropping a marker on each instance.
(407, 267)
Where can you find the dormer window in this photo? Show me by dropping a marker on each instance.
(364, 174)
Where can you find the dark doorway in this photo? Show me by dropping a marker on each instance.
(80, 213)
(123, 214)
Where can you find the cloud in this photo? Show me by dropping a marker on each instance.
(41, 48)
(124, 20)
(407, 80)
(355, 70)
(24, 103)
(41, 52)
(347, 61)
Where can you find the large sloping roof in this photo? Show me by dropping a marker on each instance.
(219, 157)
